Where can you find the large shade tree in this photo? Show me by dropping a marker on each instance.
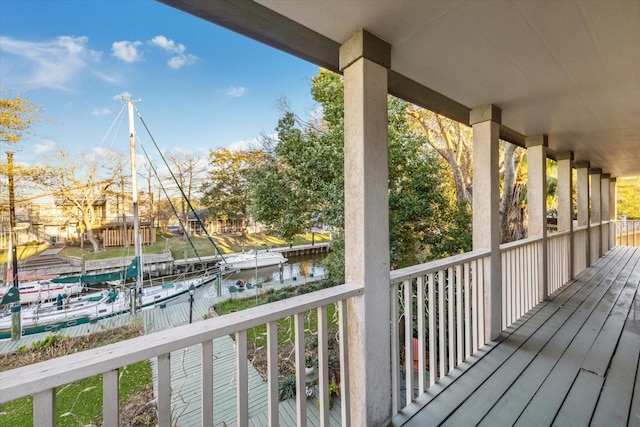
(80, 184)
(302, 184)
(225, 193)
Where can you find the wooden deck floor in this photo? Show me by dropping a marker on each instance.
(572, 361)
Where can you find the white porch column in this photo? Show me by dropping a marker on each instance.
(365, 60)
(486, 210)
(584, 214)
(565, 201)
(613, 210)
(604, 230)
(537, 204)
(596, 213)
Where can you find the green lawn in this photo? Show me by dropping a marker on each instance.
(179, 247)
(78, 403)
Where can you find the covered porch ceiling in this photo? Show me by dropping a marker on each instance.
(567, 69)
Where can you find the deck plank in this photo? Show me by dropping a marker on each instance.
(571, 358)
(549, 397)
(577, 408)
(617, 397)
(544, 340)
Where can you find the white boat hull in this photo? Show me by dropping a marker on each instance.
(43, 290)
(249, 260)
(88, 308)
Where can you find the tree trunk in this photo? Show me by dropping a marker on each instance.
(462, 194)
(90, 236)
(507, 193)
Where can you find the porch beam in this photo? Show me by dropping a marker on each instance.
(565, 201)
(486, 210)
(364, 60)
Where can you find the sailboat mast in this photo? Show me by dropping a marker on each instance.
(12, 222)
(134, 190)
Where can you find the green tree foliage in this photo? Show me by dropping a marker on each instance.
(628, 190)
(303, 185)
(226, 191)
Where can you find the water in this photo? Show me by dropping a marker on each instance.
(301, 267)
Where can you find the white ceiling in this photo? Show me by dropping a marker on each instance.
(568, 69)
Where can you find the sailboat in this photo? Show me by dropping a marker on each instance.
(68, 311)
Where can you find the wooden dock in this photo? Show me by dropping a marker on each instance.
(185, 367)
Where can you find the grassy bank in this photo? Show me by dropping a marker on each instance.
(80, 403)
(180, 247)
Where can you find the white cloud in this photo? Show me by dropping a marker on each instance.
(181, 58)
(44, 146)
(250, 144)
(104, 111)
(178, 62)
(236, 91)
(127, 51)
(51, 63)
(168, 44)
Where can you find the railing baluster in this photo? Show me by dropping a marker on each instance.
(242, 379)
(451, 309)
(395, 349)
(110, 398)
(433, 349)
(344, 365)
(459, 315)
(164, 390)
(481, 295)
(207, 384)
(442, 324)
(272, 373)
(44, 408)
(421, 312)
(323, 366)
(467, 312)
(301, 384)
(475, 298)
(408, 340)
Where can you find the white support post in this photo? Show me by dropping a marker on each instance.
(537, 205)
(565, 202)
(584, 214)
(596, 213)
(486, 232)
(604, 230)
(613, 210)
(365, 60)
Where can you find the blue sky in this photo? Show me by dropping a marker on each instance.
(201, 86)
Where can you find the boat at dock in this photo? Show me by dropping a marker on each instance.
(253, 259)
(67, 311)
(35, 291)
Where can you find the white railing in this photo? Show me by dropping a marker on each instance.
(520, 260)
(41, 379)
(627, 232)
(580, 249)
(558, 253)
(437, 312)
